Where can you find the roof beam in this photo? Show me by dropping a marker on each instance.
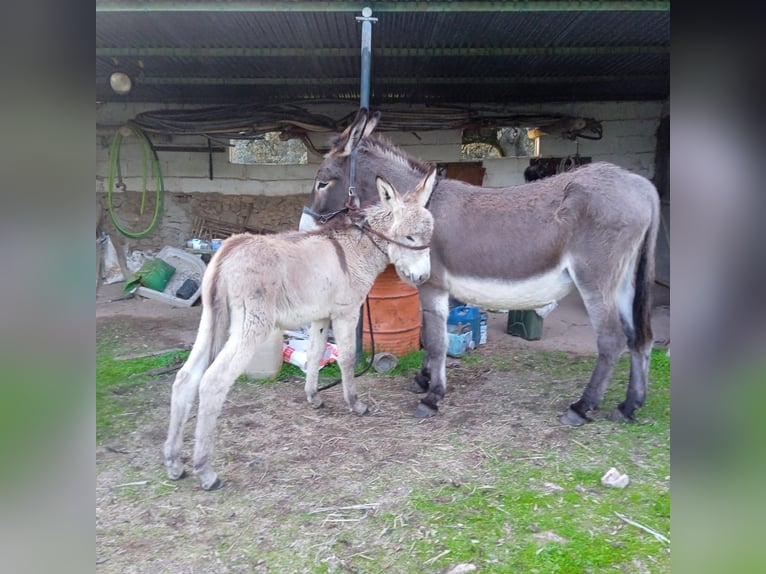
(383, 81)
(104, 6)
(379, 52)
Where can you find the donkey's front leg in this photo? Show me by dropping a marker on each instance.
(435, 304)
(317, 346)
(345, 337)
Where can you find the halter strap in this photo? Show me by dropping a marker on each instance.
(324, 217)
(365, 227)
(353, 198)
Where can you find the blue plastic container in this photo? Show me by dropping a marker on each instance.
(467, 315)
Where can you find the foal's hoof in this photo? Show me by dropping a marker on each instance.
(574, 419)
(361, 410)
(178, 477)
(425, 411)
(217, 483)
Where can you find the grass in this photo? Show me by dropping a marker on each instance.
(553, 515)
(546, 513)
(117, 383)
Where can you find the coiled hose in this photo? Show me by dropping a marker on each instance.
(149, 157)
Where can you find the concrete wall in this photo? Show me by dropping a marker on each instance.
(270, 198)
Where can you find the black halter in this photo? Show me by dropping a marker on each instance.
(352, 204)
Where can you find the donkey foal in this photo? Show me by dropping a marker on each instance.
(256, 284)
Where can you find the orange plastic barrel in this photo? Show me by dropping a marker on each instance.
(395, 315)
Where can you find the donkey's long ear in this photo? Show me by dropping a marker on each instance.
(350, 137)
(372, 123)
(426, 187)
(388, 195)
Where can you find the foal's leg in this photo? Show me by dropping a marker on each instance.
(605, 318)
(185, 392)
(435, 305)
(344, 330)
(218, 379)
(317, 346)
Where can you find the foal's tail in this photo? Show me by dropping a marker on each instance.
(644, 281)
(215, 308)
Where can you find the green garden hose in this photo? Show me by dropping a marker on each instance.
(149, 155)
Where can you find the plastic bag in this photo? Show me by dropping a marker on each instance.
(111, 272)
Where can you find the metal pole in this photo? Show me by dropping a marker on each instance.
(364, 90)
(364, 102)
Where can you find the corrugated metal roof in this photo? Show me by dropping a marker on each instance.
(422, 52)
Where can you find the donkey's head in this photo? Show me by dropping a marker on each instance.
(346, 179)
(406, 226)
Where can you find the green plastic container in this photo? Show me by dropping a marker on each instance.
(154, 274)
(525, 324)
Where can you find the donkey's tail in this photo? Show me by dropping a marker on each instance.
(215, 308)
(644, 281)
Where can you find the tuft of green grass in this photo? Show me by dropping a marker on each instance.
(116, 383)
(554, 517)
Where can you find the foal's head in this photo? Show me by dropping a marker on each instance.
(405, 224)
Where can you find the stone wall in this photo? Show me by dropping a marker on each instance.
(258, 213)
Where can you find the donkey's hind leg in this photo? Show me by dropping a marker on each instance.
(636, 394)
(635, 312)
(605, 318)
(317, 344)
(184, 393)
(218, 379)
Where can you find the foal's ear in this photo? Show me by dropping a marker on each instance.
(388, 195)
(426, 187)
(350, 137)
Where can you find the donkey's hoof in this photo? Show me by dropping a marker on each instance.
(573, 418)
(217, 483)
(425, 411)
(420, 384)
(416, 388)
(620, 417)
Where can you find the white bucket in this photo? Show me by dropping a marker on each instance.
(266, 360)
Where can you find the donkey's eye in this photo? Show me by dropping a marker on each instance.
(410, 238)
(321, 185)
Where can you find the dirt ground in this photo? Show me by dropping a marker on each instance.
(300, 482)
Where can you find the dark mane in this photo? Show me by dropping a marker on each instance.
(382, 146)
